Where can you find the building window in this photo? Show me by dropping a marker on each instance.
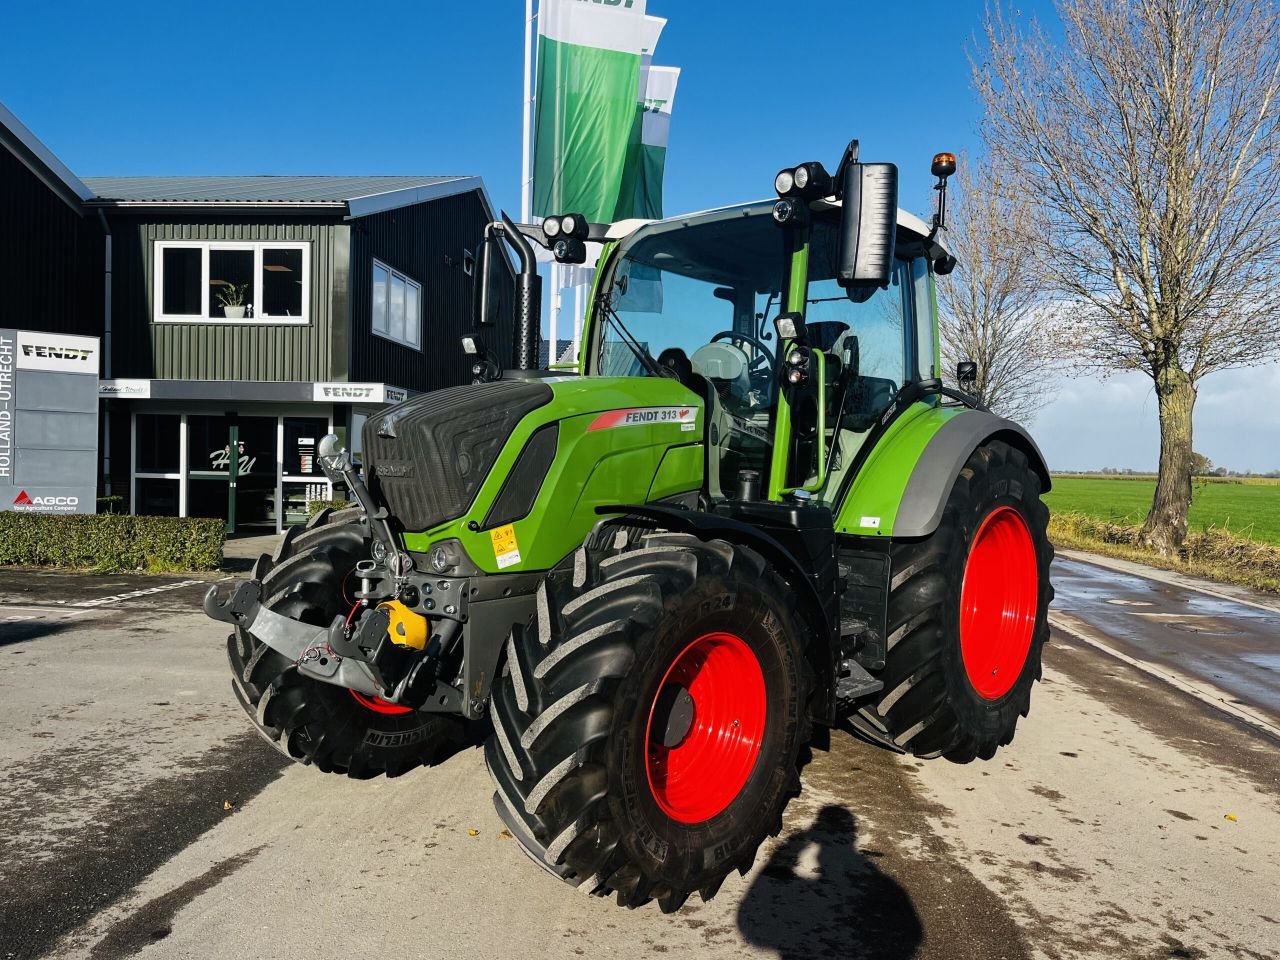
(232, 282)
(397, 306)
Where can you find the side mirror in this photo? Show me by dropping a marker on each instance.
(967, 374)
(868, 224)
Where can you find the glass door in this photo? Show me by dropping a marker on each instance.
(232, 470)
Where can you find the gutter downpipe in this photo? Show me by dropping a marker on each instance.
(106, 352)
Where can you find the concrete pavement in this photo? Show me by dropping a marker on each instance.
(138, 817)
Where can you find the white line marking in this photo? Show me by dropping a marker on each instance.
(135, 594)
(1204, 692)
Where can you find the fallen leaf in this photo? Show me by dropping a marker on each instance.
(227, 805)
(505, 834)
(473, 833)
(1231, 817)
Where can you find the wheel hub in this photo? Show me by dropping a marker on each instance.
(675, 703)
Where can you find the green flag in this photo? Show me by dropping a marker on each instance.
(587, 77)
(660, 94)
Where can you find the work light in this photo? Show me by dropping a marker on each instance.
(808, 181)
(574, 226)
(551, 227)
(812, 180)
(569, 250)
(789, 211)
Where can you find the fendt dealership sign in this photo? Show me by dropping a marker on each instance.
(48, 422)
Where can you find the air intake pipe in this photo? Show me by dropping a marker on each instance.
(528, 326)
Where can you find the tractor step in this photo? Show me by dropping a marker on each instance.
(853, 682)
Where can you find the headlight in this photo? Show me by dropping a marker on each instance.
(784, 182)
(569, 224)
(441, 560)
(551, 227)
(801, 177)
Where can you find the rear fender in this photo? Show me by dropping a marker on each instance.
(926, 493)
(902, 487)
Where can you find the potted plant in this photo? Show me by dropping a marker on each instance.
(231, 296)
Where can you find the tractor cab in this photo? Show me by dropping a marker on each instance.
(698, 299)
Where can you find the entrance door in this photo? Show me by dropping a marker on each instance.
(232, 470)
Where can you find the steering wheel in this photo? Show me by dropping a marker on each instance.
(761, 364)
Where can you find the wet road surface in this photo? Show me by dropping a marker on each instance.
(139, 817)
(1232, 645)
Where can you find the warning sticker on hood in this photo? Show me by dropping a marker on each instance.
(687, 417)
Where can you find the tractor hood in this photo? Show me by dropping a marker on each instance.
(427, 458)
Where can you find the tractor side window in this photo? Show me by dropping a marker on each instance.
(926, 326)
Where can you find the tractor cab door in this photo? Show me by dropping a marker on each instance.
(874, 344)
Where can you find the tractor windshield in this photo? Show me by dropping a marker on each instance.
(697, 299)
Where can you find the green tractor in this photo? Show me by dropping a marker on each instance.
(750, 509)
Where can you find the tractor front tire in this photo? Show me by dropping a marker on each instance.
(317, 723)
(968, 615)
(653, 717)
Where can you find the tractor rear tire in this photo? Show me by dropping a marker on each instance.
(652, 719)
(310, 721)
(968, 615)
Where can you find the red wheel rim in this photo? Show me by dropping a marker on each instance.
(998, 603)
(378, 705)
(698, 777)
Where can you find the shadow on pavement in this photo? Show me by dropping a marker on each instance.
(24, 630)
(846, 907)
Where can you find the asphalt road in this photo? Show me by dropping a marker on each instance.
(138, 816)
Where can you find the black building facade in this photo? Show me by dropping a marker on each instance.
(241, 318)
(250, 316)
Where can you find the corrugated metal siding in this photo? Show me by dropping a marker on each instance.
(416, 240)
(219, 351)
(51, 268)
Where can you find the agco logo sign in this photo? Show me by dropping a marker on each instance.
(24, 501)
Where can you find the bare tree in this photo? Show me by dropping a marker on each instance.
(1150, 134)
(991, 308)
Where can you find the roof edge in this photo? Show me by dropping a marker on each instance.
(395, 199)
(40, 160)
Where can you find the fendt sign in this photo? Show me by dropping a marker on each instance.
(48, 422)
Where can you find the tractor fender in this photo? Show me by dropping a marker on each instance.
(926, 493)
(711, 526)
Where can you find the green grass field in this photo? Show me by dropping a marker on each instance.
(1250, 508)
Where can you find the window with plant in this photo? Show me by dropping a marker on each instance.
(227, 281)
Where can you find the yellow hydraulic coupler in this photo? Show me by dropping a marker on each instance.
(407, 629)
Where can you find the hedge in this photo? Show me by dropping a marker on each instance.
(111, 542)
(315, 506)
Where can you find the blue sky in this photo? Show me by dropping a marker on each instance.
(322, 87)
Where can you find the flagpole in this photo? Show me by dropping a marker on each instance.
(526, 181)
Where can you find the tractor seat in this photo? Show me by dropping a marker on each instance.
(678, 366)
